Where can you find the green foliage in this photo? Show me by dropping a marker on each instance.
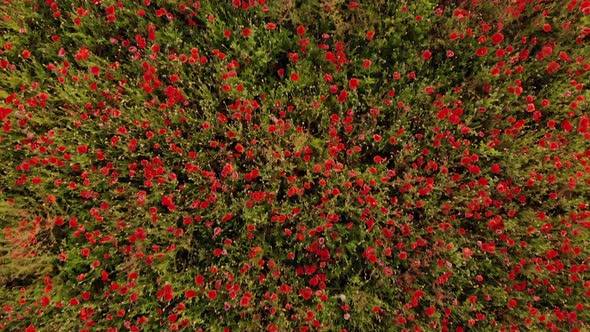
(294, 165)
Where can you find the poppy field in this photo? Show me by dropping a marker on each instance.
(294, 165)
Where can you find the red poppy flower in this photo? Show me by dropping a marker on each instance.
(83, 54)
(496, 168)
(189, 294)
(497, 38)
(512, 303)
(551, 254)
(481, 51)
(300, 30)
(306, 293)
(200, 280)
(342, 96)
(82, 149)
(284, 288)
(245, 300)
(430, 311)
(552, 67)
